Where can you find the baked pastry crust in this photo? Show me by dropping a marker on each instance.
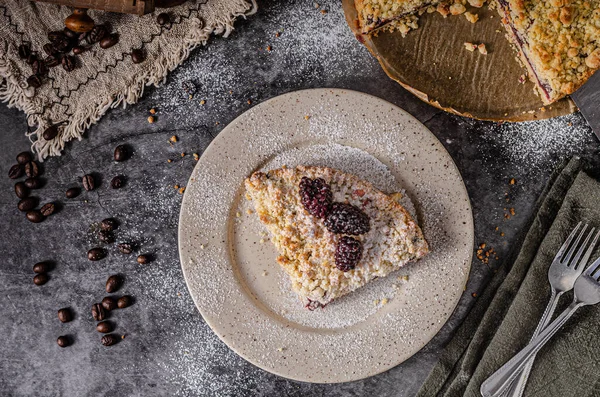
(373, 14)
(558, 42)
(307, 248)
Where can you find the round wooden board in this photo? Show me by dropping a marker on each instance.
(433, 64)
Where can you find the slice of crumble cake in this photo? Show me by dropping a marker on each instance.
(334, 232)
(373, 14)
(558, 42)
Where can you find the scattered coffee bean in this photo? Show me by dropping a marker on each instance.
(27, 204)
(83, 36)
(106, 237)
(49, 49)
(143, 259)
(98, 312)
(68, 63)
(78, 50)
(21, 190)
(39, 67)
(124, 301)
(88, 182)
(48, 209)
(72, 192)
(137, 56)
(125, 248)
(41, 267)
(109, 340)
(52, 61)
(96, 34)
(113, 283)
(62, 45)
(34, 81)
(109, 40)
(163, 18)
(50, 132)
(40, 279)
(16, 171)
(109, 303)
(24, 157)
(56, 35)
(32, 169)
(63, 341)
(117, 182)
(121, 153)
(35, 216)
(64, 315)
(31, 59)
(95, 254)
(70, 34)
(33, 183)
(108, 224)
(104, 327)
(24, 51)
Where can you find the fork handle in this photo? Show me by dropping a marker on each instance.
(500, 380)
(517, 388)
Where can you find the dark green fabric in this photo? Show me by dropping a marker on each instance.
(505, 315)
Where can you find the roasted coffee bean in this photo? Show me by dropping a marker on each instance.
(124, 302)
(51, 132)
(31, 59)
(62, 45)
(109, 40)
(52, 61)
(32, 169)
(33, 183)
(117, 182)
(104, 327)
(143, 259)
(70, 34)
(35, 216)
(88, 182)
(39, 67)
(41, 267)
(125, 248)
(27, 204)
(108, 224)
(16, 171)
(78, 50)
(98, 312)
(21, 190)
(68, 63)
(49, 49)
(24, 51)
(95, 254)
(96, 34)
(56, 35)
(48, 209)
(106, 237)
(34, 81)
(121, 153)
(40, 279)
(72, 192)
(109, 340)
(113, 283)
(83, 36)
(137, 56)
(109, 303)
(24, 157)
(63, 341)
(163, 18)
(64, 315)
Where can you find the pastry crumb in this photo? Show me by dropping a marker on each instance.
(470, 46)
(471, 17)
(482, 49)
(457, 9)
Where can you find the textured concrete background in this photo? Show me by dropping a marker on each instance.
(168, 349)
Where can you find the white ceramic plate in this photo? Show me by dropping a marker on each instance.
(229, 263)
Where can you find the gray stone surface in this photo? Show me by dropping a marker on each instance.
(168, 349)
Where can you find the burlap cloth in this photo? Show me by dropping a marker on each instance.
(103, 78)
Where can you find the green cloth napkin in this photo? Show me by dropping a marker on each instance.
(506, 314)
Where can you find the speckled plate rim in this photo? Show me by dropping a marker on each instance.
(235, 308)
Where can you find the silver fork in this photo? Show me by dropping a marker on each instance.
(563, 272)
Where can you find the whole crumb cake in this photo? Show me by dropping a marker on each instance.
(334, 232)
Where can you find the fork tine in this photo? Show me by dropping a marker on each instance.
(592, 268)
(567, 242)
(575, 262)
(567, 258)
(588, 253)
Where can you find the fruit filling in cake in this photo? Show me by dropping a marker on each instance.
(334, 232)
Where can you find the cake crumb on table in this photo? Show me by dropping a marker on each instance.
(470, 46)
(482, 49)
(471, 17)
(457, 9)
